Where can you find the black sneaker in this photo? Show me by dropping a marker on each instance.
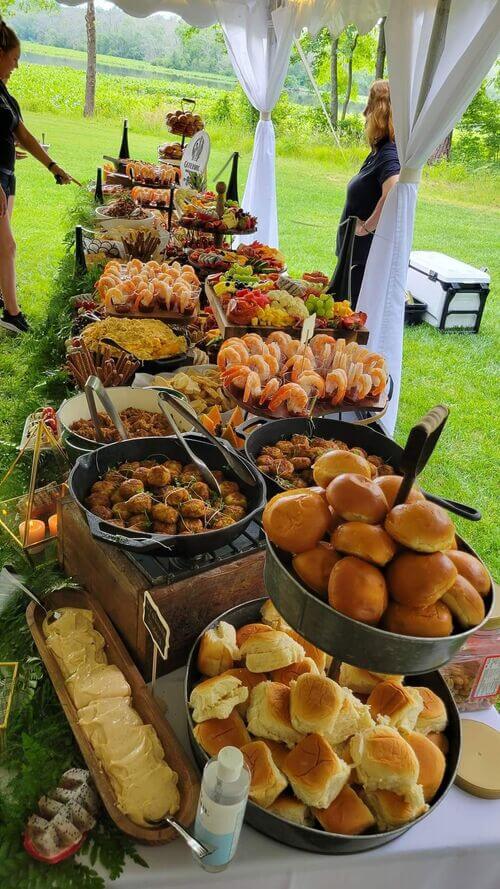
(14, 323)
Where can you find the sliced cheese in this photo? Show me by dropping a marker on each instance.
(101, 682)
(150, 795)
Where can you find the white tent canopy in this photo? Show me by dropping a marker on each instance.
(438, 52)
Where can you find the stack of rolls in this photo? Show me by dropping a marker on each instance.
(397, 567)
(363, 753)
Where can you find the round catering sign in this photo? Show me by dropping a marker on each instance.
(195, 155)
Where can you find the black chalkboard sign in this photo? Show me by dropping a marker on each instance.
(156, 625)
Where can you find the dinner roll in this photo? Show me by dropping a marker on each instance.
(278, 751)
(391, 484)
(357, 589)
(315, 772)
(353, 717)
(472, 569)
(296, 520)
(392, 810)
(244, 632)
(266, 780)
(465, 603)
(417, 580)
(249, 680)
(368, 542)
(269, 713)
(401, 704)
(440, 740)
(431, 621)
(362, 681)
(264, 652)
(433, 716)
(333, 463)
(347, 814)
(315, 565)
(431, 761)
(383, 759)
(292, 809)
(217, 649)
(287, 675)
(357, 499)
(271, 616)
(319, 657)
(214, 734)
(315, 703)
(423, 526)
(216, 698)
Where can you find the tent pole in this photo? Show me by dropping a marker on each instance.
(435, 51)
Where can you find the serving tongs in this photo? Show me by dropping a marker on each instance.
(422, 440)
(9, 581)
(197, 848)
(168, 403)
(93, 386)
(236, 464)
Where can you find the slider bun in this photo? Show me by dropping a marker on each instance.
(287, 675)
(249, 630)
(334, 463)
(264, 652)
(292, 809)
(465, 603)
(431, 761)
(472, 569)
(216, 698)
(353, 717)
(369, 542)
(266, 780)
(271, 616)
(296, 520)
(315, 565)
(383, 759)
(347, 814)
(392, 810)
(269, 713)
(358, 590)
(431, 621)
(315, 703)
(357, 499)
(391, 484)
(319, 657)
(315, 772)
(214, 734)
(400, 703)
(417, 580)
(362, 681)
(423, 526)
(278, 751)
(433, 717)
(440, 740)
(217, 649)
(249, 680)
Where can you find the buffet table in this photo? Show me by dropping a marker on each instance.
(456, 847)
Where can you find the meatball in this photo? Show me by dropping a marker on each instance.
(130, 487)
(318, 442)
(236, 512)
(338, 445)
(190, 473)
(192, 509)
(300, 441)
(103, 487)
(103, 512)
(174, 467)
(114, 476)
(118, 522)
(201, 490)
(300, 463)
(174, 496)
(227, 487)
(158, 477)
(149, 462)
(95, 500)
(376, 461)
(120, 510)
(272, 451)
(128, 468)
(139, 503)
(299, 482)
(385, 469)
(139, 522)
(286, 447)
(164, 528)
(167, 515)
(191, 526)
(141, 473)
(218, 474)
(283, 468)
(236, 499)
(116, 496)
(221, 521)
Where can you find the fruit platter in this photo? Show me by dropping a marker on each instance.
(149, 289)
(243, 299)
(199, 211)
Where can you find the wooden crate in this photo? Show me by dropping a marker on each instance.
(188, 605)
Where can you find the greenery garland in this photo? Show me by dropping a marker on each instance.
(39, 744)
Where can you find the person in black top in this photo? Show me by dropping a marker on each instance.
(13, 132)
(368, 190)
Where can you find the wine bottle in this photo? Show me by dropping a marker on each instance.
(340, 283)
(98, 194)
(124, 153)
(232, 188)
(80, 264)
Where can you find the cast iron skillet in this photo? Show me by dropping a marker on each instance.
(90, 467)
(308, 838)
(268, 433)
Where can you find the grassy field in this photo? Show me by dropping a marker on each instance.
(455, 214)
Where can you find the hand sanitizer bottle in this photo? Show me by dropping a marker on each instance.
(221, 807)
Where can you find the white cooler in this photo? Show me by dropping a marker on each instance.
(454, 291)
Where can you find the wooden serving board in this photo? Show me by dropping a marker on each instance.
(321, 408)
(142, 701)
(157, 315)
(229, 329)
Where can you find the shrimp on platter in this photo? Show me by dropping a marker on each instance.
(252, 386)
(236, 375)
(269, 390)
(312, 384)
(258, 364)
(227, 357)
(255, 344)
(298, 364)
(293, 396)
(336, 385)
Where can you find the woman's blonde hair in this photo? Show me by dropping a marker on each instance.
(8, 37)
(378, 113)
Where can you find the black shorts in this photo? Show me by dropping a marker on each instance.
(8, 183)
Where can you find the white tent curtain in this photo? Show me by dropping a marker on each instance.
(470, 48)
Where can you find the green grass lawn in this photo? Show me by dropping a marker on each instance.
(456, 217)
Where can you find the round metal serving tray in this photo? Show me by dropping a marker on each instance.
(350, 640)
(311, 839)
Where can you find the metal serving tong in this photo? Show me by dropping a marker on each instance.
(94, 385)
(9, 581)
(168, 403)
(421, 443)
(237, 465)
(196, 847)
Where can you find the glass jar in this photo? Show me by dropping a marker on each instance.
(473, 676)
